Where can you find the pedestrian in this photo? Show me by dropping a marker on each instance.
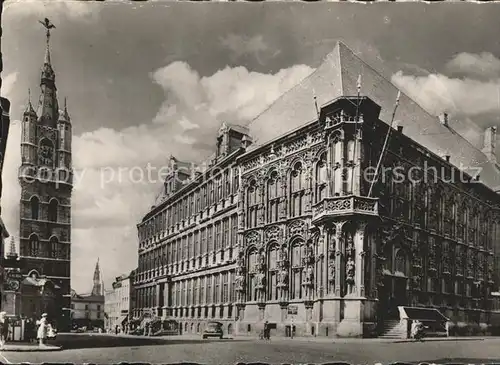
(116, 329)
(266, 331)
(42, 330)
(4, 328)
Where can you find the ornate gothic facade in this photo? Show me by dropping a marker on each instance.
(294, 231)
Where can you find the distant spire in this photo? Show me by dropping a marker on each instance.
(97, 287)
(12, 250)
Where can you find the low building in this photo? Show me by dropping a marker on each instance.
(118, 302)
(88, 309)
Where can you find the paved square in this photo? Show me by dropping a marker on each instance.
(277, 351)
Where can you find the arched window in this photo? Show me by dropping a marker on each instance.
(321, 178)
(272, 258)
(34, 246)
(252, 260)
(297, 186)
(296, 260)
(253, 205)
(53, 207)
(35, 206)
(273, 198)
(401, 262)
(53, 248)
(336, 158)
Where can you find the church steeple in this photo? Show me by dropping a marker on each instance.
(48, 109)
(97, 289)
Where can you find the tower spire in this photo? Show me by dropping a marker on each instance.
(97, 287)
(48, 110)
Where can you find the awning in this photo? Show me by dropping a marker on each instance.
(38, 282)
(423, 314)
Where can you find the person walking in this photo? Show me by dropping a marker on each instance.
(42, 330)
(4, 328)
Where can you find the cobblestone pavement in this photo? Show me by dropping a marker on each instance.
(109, 349)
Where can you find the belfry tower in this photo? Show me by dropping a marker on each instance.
(46, 180)
(98, 287)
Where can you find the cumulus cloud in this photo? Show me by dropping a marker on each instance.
(118, 173)
(243, 46)
(484, 65)
(75, 10)
(438, 93)
(473, 102)
(8, 83)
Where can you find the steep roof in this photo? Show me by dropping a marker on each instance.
(337, 76)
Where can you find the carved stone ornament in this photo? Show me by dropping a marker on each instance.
(297, 227)
(253, 238)
(350, 271)
(272, 233)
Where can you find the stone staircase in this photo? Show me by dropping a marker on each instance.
(393, 329)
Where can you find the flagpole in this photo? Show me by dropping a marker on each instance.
(375, 176)
(355, 133)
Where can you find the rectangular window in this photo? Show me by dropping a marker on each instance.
(203, 241)
(225, 237)
(225, 288)
(217, 289)
(209, 289)
(210, 243)
(217, 236)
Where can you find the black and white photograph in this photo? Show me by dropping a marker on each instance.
(249, 182)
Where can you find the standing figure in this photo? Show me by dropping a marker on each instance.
(4, 328)
(42, 330)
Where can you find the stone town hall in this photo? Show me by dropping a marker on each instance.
(283, 226)
(45, 176)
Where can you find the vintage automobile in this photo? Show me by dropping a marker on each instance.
(213, 329)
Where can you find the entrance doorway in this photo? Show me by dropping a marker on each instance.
(392, 295)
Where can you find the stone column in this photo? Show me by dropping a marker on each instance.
(359, 245)
(339, 277)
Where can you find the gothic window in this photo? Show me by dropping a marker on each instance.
(464, 222)
(218, 237)
(297, 186)
(211, 192)
(35, 207)
(225, 235)
(253, 205)
(407, 201)
(336, 158)
(296, 260)
(197, 202)
(321, 178)
(273, 198)
(53, 207)
(453, 217)
(210, 242)
(401, 262)
(53, 248)
(272, 258)
(201, 294)
(234, 231)
(216, 288)
(252, 260)
(236, 180)
(225, 288)
(34, 246)
(46, 153)
(196, 248)
(209, 290)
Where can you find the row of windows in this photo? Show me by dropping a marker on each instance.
(211, 289)
(52, 213)
(221, 235)
(52, 249)
(216, 189)
(434, 210)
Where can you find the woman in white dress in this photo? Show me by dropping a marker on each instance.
(42, 329)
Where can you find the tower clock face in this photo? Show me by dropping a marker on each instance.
(46, 153)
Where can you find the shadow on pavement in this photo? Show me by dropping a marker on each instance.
(81, 341)
(458, 361)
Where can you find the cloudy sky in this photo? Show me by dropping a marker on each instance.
(149, 80)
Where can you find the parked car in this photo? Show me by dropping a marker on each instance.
(213, 329)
